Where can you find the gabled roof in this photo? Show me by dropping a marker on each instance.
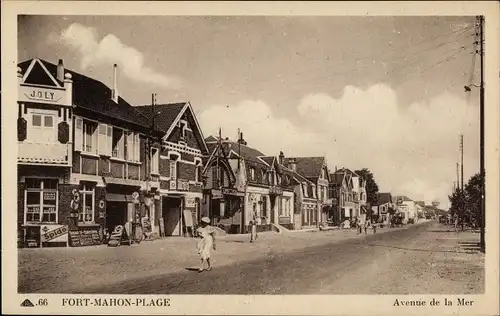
(383, 198)
(93, 95)
(309, 167)
(269, 160)
(243, 151)
(166, 114)
(401, 197)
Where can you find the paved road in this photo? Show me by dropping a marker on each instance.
(419, 259)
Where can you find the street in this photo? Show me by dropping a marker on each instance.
(423, 258)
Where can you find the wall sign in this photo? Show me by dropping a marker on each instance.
(85, 236)
(49, 95)
(190, 202)
(54, 233)
(49, 196)
(182, 185)
(231, 191)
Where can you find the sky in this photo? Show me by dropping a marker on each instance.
(383, 93)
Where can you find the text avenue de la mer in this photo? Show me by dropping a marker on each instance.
(434, 302)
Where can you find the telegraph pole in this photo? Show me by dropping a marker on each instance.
(462, 161)
(458, 179)
(481, 140)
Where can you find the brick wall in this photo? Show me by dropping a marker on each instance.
(186, 171)
(164, 167)
(117, 169)
(133, 172)
(89, 165)
(76, 162)
(65, 197)
(100, 194)
(104, 163)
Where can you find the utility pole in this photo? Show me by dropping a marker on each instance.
(458, 179)
(462, 161)
(481, 134)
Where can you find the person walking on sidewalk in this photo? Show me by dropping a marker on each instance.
(253, 227)
(366, 226)
(206, 242)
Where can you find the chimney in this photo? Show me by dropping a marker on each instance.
(281, 158)
(60, 71)
(335, 168)
(114, 94)
(293, 164)
(241, 141)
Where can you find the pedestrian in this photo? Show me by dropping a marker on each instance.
(253, 227)
(358, 226)
(206, 242)
(366, 226)
(456, 223)
(374, 228)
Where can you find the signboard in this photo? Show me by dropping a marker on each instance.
(42, 94)
(216, 194)
(182, 185)
(85, 236)
(54, 233)
(190, 202)
(49, 196)
(33, 209)
(231, 191)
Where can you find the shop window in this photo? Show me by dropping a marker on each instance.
(155, 154)
(86, 213)
(118, 143)
(41, 201)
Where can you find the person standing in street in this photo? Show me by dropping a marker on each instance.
(366, 226)
(206, 242)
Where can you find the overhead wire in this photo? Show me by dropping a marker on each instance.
(356, 60)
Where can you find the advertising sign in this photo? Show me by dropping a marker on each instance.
(190, 202)
(49, 196)
(54, 233)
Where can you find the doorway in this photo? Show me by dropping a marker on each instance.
(171, 213)
(116, 214)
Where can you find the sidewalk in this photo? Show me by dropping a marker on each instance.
(68, 269)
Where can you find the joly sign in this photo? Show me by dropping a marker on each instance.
(47, 95)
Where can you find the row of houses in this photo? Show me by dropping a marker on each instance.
(410, 210)
(89, 161)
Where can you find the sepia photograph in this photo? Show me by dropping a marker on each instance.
(250, 155)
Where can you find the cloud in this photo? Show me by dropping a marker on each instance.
(108, 51)
(411, 151)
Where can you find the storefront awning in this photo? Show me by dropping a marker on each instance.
(113, 197)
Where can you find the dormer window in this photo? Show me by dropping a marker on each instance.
(304, 188)
(252, 173)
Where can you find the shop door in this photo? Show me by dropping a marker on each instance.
(172, 217)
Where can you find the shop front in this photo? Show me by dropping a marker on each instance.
(225, 209)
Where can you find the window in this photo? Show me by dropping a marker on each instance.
(264, 205)
(252, 173)
(118, 144)
(89, 137)
(133, 145)
(322, 173)
(198, 175)
(43, 128)
(154, 160)
(41, 201)
(86, 212)
(173, 169)
(271, 178)
(304, 188)
(314, 191)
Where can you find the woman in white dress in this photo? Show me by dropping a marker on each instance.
(206, 243)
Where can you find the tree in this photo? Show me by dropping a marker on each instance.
(466, 204)
(473, 192)
(371, 185)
